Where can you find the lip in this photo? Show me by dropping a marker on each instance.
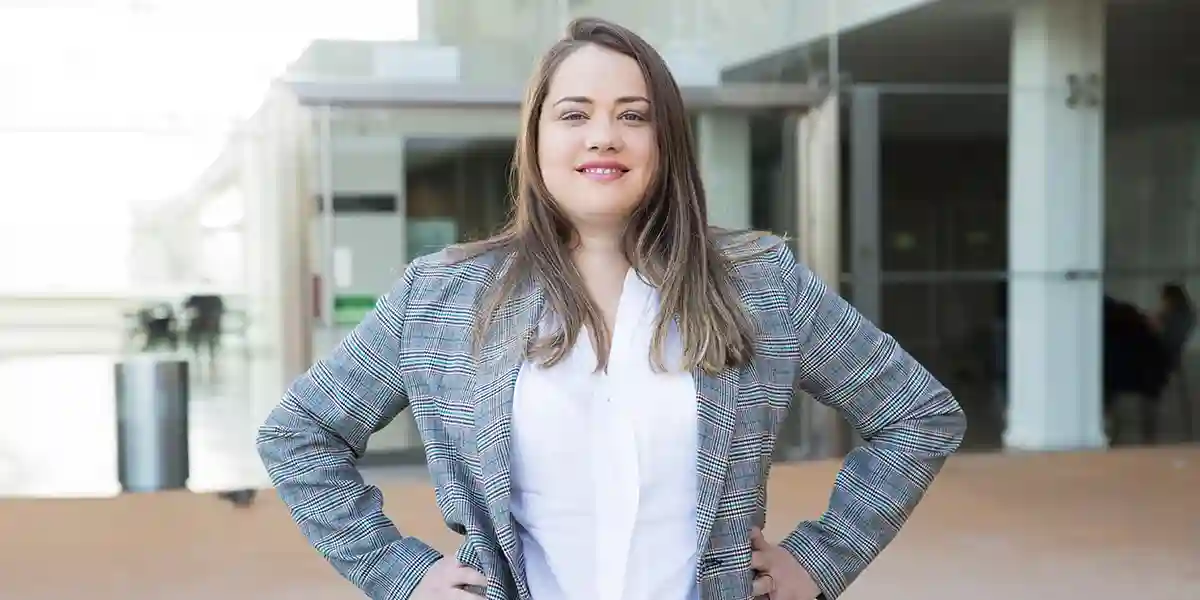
(610, 165)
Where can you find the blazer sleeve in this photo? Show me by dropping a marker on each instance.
(311, 441)
(910, 424)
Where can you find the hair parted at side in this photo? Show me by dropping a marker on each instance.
(667, 238)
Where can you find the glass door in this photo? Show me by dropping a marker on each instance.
(395, 184)
(927, 252)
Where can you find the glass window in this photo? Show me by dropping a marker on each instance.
(456, 189)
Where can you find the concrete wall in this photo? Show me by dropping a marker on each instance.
(498, 42)
(500, 39)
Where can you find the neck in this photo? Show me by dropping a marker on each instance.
(598, 247)
(599, 242)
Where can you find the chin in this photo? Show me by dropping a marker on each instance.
(598, 212)
(610, 206)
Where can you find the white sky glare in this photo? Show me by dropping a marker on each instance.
(110, 102)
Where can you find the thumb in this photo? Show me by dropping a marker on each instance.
(757, 541)
(464, 575)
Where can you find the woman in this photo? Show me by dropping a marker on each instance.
(599, 386)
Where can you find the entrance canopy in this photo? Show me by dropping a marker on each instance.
(375, 93)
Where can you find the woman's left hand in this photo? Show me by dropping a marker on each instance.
(777, 574)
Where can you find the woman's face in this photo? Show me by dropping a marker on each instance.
(596, 145)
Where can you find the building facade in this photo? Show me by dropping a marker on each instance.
(973, 175)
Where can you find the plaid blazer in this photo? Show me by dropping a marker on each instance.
(415, 350)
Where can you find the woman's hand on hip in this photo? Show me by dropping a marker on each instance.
(446, 579)
(777, 574)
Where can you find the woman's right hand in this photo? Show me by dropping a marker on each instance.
(446, 579)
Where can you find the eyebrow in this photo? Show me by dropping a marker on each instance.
(586, 100)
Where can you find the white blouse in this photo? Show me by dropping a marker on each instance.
(604, 467)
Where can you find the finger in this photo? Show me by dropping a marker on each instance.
(457, 594)
(763, 586)
(466, 576)
(758, 561)
(757, 541)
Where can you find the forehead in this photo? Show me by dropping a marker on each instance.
(597, 73)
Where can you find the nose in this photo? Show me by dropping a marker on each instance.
(603, 135)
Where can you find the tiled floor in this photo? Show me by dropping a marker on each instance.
(1088, 526)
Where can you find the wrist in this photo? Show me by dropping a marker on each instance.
(806, 547)
(414, 561)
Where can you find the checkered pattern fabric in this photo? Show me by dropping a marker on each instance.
(415, 351)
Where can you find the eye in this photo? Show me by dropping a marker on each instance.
(632, 116)
(573, 115)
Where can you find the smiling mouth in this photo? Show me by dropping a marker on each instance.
(603, 174)
(608, 171)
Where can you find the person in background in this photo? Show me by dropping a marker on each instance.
(157, 323)
(1175, 319)
(205, 313)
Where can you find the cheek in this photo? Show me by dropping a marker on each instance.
(643, 148)
(554, 149)
(647, 157)
(552, 159)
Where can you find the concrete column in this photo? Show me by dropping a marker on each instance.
(814, 430)
(427, 25)
(724, 153)
(273, 178)
(1056, 213)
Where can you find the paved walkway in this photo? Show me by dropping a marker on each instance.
(1096, 526)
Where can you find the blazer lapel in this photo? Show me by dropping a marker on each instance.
(717, 413)
(499, 363)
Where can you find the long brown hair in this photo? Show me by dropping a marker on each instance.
(667, 238)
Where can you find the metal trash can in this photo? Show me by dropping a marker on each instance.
(152, 423)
